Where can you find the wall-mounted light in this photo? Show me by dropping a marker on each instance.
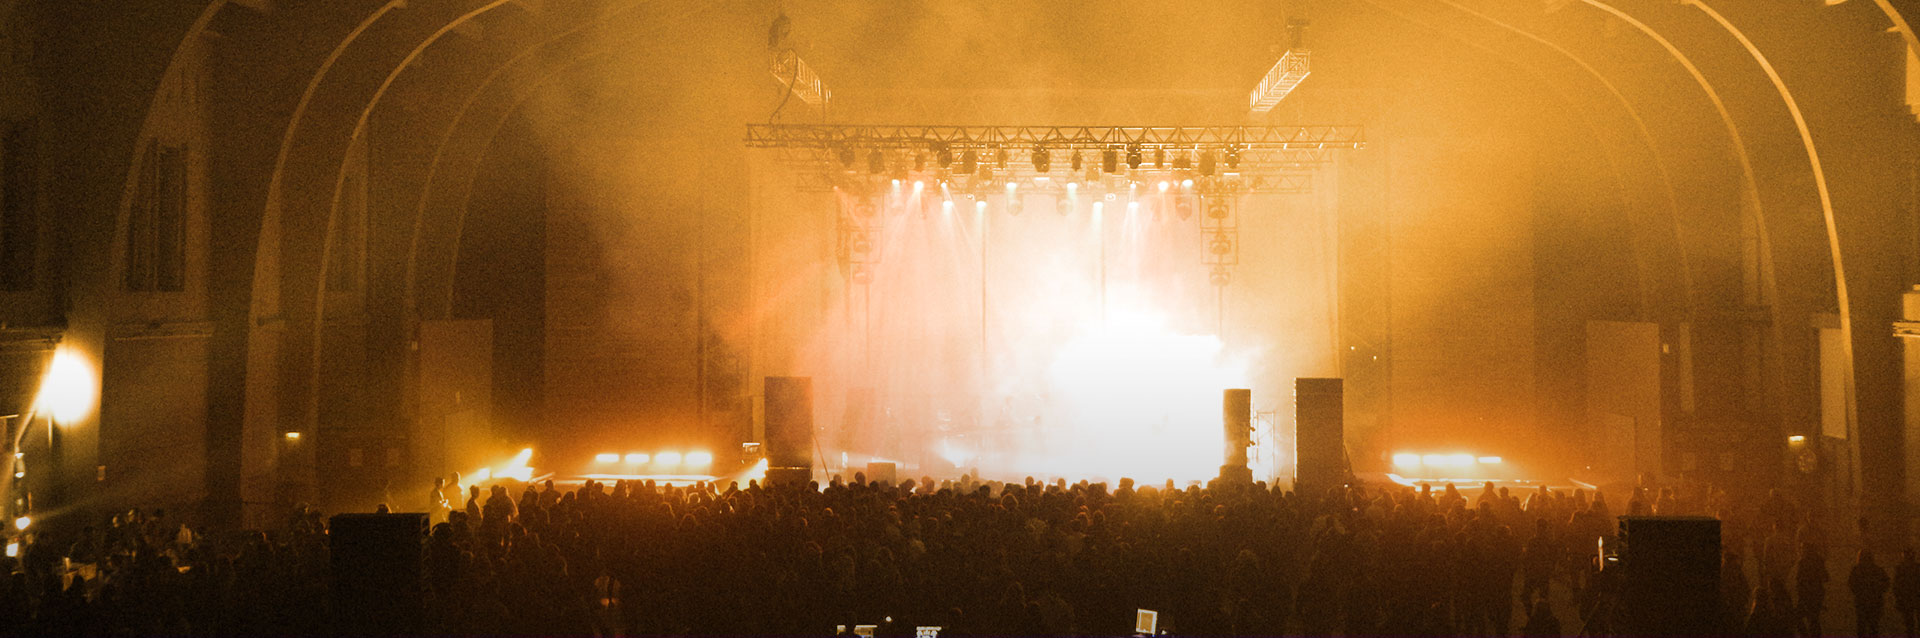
(68, 391)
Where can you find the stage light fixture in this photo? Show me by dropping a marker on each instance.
(944, 156)
(1076, 161)
(1133, 158)
(1042, 162)
(1110, 161)
(919, 162)
(606, 457)
(968, 162)
(1183, 161)
(1164, 185)
(699, 459)
(846, 158)
(1160, 158)
(1001, 160)
(876, 162)
(1233, 158)
(667, 458)
(1206, 163)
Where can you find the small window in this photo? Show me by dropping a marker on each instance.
(156, 258)
(19, 216)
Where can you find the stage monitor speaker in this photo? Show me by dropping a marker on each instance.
(1320, 453)
(1236, 412)
(883, 472)
(376, 569)
(789, 418)
(1671, 580)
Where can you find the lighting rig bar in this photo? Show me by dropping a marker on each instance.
(794, 73)
(1286, 75)
(934, 138)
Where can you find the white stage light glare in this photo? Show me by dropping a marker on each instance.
(667, 458)
(638, 458)
(699, 459)
(1447, 460)
(606, 457)
(1490, 460)
(1405, 459)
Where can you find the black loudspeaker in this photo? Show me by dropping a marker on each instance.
(377, 572)
(1670, 583)
(789, 418)
(1320, 452)
(883, 472)
(1236, 414)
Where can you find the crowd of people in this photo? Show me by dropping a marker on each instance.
(973, 558)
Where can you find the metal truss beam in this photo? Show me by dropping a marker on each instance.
(888, 137)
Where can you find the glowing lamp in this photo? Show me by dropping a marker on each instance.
(638, 458)
(13, 549)
(667, 458)
(1796, 439)
(1447, 460)
(1164, 186)
(517, 469)
(292, 436)
(68, 391)
(699, 459)
(606, 457)
(22, 522)
(1406, 460)
(1489, 460)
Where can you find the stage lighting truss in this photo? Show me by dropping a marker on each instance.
(794, 73)
(1244, 158)
(1286, 75)
(1220, 230)
(1194, 171)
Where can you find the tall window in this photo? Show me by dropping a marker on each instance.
(19, 219)
(157, 222)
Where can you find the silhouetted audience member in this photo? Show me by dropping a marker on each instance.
(1906, 592)
(1869, 584)
(1810, 588)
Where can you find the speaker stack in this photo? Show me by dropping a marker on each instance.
(376, 569)
(1236, 413)
(1671, 580)
(1320, 453)
(789, 445)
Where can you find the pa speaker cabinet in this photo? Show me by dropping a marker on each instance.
(789, 410)
(883, 472)
(1319, 432)
(1671, 580)
(378, 585)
